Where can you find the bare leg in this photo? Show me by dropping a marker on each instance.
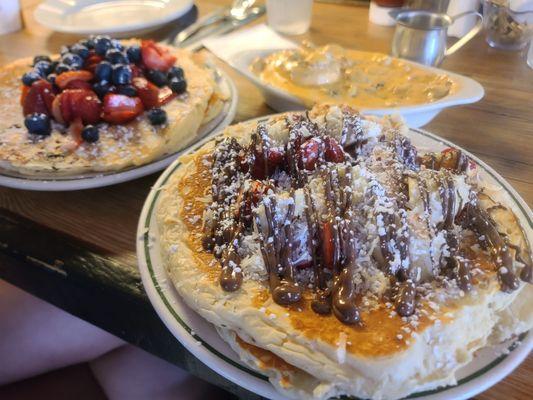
(37, 337)
(133, 374)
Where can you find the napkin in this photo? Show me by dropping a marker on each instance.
(258, 37)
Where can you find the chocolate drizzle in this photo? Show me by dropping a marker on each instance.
(405, 298)
(352, 135)
(343, 231)
(230, 275)
(276, 242)
(339, 244)
(453, 160)
(481, 222)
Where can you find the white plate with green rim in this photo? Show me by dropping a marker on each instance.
(90, 180)
(489, 366)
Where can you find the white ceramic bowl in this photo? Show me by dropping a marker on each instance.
(468, 91)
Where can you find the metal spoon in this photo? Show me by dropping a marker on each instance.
(238, 11)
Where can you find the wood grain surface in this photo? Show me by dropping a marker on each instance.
(498, 129)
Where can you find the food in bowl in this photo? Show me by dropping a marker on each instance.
(338, 259)
(360, 79)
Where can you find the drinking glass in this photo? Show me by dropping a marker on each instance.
(291, 17)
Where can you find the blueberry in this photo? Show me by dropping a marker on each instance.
(116, 44)
(80, 50)
(51, 78)
(121, 74)
(43, 68)
(127, 90)
(53, 65)
(157, 116)
(90, 134)
(158, 78)
(36, 59)
(62, 68)
(101, 88)
(101, 45)
(134, 54)
(89, 43)
(72, 60)
(64, 50)
(38, 124)
(103, 71)
(178, 85)
(115, 56)
(175, 72)
(29, 77)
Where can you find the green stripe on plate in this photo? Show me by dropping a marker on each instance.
(255, 374)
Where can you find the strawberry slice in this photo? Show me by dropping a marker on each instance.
(251, 197)
(328, 245)
(276, 157)
(77, 103)
(156, 57)
(119, 109)
(56, 110)
(75, 128)
(92, 61)
(23, 93)
(150, 94)
(38, 99)
(147, 91)
(79, 84)
(334, 152)
(309, 153)
(136, 72)
(165, 95)
(65, 78)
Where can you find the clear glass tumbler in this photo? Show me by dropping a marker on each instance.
(291, 17)
(505, 28)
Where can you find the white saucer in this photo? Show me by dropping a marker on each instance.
(117, 17)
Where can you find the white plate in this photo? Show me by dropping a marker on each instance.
(468, 91)
(117, 17)
(200, 337)
(98, 179)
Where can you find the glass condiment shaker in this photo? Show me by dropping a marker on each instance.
(504, 28)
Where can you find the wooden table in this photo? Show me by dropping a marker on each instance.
(77, 249)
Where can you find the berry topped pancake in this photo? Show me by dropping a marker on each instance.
(103, 105)
(339, 259)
